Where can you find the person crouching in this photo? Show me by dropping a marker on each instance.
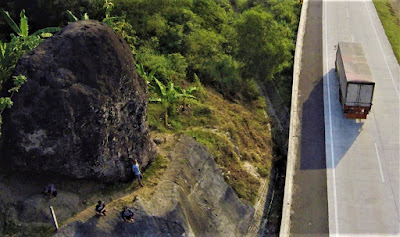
(127, 215)
(100, 209)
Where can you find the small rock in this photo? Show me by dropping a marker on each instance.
(158, 141)
(136, 199)
(236, 149)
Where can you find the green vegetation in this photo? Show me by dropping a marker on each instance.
(169, 96)
(217, 51)
(20, 43)
(233, 133)
(153, 173)
(391, 24)
(12, 51)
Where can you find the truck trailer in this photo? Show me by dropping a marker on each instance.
(356, 84)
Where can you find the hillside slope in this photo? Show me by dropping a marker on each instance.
(192, 198)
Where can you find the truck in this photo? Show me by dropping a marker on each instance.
(356, 84)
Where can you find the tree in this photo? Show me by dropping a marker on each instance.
(203, 45)
(264, 46)
(213, 15)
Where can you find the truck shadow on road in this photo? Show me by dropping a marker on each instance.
(313, 145)
(344, 130)
(312, 155)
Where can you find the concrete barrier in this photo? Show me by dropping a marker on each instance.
(295, 127)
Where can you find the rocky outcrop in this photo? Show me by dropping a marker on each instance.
(192, 199)
(82, 112)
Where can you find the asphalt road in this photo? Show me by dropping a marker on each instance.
(362, 156)
(309, 216)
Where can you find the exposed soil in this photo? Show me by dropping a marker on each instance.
(192, 199)
(396, 6)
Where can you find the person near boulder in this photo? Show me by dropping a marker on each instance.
(136, 171)
(101, 209)
(50, 190)
(127, 215)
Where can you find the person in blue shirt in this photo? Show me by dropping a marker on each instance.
(127, 215)
(136, 171)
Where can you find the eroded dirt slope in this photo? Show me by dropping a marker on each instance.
(192, 199)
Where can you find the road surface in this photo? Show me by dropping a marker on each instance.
(309, 210)
(362, 156)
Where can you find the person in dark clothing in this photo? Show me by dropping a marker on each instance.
(101, 209)
(50, 190)
(127, 215)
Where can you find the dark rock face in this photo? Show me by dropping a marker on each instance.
(82, 112)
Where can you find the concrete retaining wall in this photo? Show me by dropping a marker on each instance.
(295, 127)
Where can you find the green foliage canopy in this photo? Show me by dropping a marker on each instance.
(264, 45)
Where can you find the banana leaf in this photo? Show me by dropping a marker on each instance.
(47, 30)
(160, 88)
(85, 16)
(23, 24)
(11, 22)
(71, 16)
(191, 90)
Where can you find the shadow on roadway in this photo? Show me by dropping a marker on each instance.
(349, 129)
(313, 152)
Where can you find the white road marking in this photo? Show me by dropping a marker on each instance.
(330, 125)
(379, 161)
(380, 46)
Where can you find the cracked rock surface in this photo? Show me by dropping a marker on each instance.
(82, 111)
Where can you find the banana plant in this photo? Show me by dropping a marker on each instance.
(73, 18)
(109, 20)
(148, 77)
(108, 6)
(23, 29)
(169, 95)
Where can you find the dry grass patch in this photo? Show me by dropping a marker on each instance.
(233, 133)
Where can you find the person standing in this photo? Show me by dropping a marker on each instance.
(136, 171)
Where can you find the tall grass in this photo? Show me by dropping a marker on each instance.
(391, 24)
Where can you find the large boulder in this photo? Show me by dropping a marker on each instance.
(82, 112)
